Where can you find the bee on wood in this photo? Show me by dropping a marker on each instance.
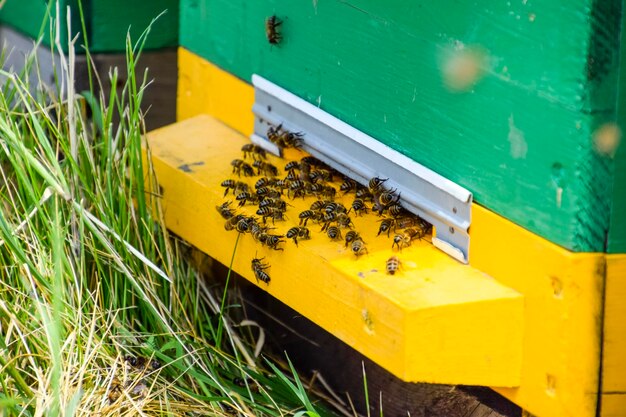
(265, 168)
(335, 207)
(298, 187)
(267, 192)
(240, 165)
(242, 226)
(401, 241)
(292, 165)
(389, 197)
(312, 161)
(272, 241)
(225, 211)
(348, 185)
(264, 182)
(359, 207)
(329, 192)
(272, 212)
(305, 216)
(232, 222)
(298, 232)
(393, 264)
(375, 185)
(250, 149)
(358, 247)
(364, 194)
(321, 175)
(351, 236)
(396, 210)
(244, 198)
(343, 220)
(333, 233)
(319, 205)
(385, 226)
(274, 202)
(256, 230)
(271, 30)
(258, 267)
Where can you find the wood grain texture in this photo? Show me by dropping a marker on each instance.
(472, 324)
(614, 350)
(520, 138)
(107, 22)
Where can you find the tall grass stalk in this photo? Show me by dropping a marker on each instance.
(91, 284)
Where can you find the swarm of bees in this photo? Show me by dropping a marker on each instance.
(308, 177)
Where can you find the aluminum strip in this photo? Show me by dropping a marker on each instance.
(424, 192)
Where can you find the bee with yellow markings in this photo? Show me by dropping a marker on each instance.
(358, 206)
(250, 149)
(375, 185)
(386, 225)
(298, 232)
(348, 185)
(240, 165)
(393, 264)
(258, 267)
(271, 212)
(244, 198)
(351, 236)
(358, 247)
(225, 210)
(265, 168)
(333, 233)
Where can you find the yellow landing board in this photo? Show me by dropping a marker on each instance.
(436, 320)
(614, 352)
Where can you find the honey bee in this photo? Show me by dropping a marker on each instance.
(267, 192)
(292, 140)
(388, 198)
(351, 236)
(298, 187)
(396, 210)
(329, 192)
(232, 222)
(319, 205)
(364, 194)
(298, 232)
(335, 207)
(250, 149)
(292, 165)
(239, 165)
(115, 390)
(264, 182)
(402, 240)
(385, 226)
(358, 247)
(243, 198)
(242, 226)
(359, 207)
(274, 202)
(333, 233)
(312, 161)
(265, 168)
(274, 133)
(393, 264)
(321, 174)
(272, 212)
(225, 211)
(305, 216)
(272, 241)
(348, 185)
(229, 185)
(375, 185)
(344, 220)
(258, 267)
(257, 231)
(271, 30)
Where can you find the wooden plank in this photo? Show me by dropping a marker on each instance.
(436, 321)
(563, 310)
(614, 342)
(520, 138)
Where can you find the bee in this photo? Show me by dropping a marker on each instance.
(312, 161)
(351, 236)
(329, 192)
(348, 185)
(305, 216)
(396, 210)
(375, 185)
(292, 140)
(321, 174)
(385, 226)
(272, 241)
(242, 226)
(264, 182)
(359, 207)
(319, 205)
(115, 390)
(274, 133)
(256, 230)
(402, 240)
(292, 165)
(243, 198)
(239, 165)
(273, 202)
(258, 267)
(298, 232)
(364, 194)
(335, 207)
(271, 30)
(333, 233)
(393, 264)
(298, 187)
(358, 247)
(344, 220)
(389, 197)
(265, 168)
(229, 185)
(225, 211)
(232, 222)
(250, 149)
(267, 192)
(273, 212)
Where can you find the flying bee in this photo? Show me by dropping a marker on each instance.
(351, 236)
(375, 185)
(298, 232)
(258, 267)
(271, 30)
(265, 168)
(292, 165)
(348, 185)
(358, 247)
(364, 194)
(245, 197)
(239, 165)
(393, 264)
(386, 225)
(333, 233)
(257, 152)
(359, 207)
(225, 211)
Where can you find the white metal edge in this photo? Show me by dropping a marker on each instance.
(431, 177)
(449, 249)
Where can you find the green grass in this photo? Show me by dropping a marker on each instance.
(89, 274)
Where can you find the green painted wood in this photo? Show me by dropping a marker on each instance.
(518, 136)
(617, 231)
(107, 21)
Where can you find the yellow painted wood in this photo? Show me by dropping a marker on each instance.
(436, 320)
(614, 353)
(562, 295)
(563, 298)
(204, 88)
